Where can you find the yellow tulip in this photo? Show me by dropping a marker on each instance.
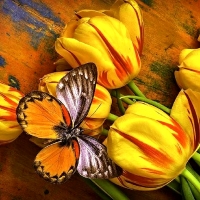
(188, 74)
(150, 146)
(9, 127)
(99, 111)
(186, 111)
(129, 13)
(95, 37)
(49, 82)
(100, 107)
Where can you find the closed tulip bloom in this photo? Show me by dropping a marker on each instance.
(103, 40)
(9, 127)
(99, 109)
(186, 111)
(150, 146)
(188, 74)
(49, 82)
(129, 13)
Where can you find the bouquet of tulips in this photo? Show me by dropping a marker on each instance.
(153, 144)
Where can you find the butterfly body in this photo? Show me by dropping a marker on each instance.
(58, 120)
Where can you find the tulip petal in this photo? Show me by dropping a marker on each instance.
(49, 82)
(9, 128)
(72, 50)
(129, 13)
(146, 147)
(186, 78)
(191, 61)
(101, 103)
(183, 54)
(94, 40)
(89, 13)
(186, 112)
(134, 181)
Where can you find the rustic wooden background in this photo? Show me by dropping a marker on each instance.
(28, 29)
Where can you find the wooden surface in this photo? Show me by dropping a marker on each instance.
(28, 32)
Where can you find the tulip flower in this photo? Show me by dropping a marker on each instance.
(188, 74)
(9, 127)
(151, 146)
(100, 107)
(99, 110)
(103, 40)
(129, 13)
(49, 82)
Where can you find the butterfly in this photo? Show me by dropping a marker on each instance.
(58, 120)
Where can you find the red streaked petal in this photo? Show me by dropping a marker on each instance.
(155, 156)
(176, 128)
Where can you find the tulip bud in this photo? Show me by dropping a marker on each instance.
(189, 69)
(150, 146)
(93, 39)
(49, 82)
(62, 65)
(99, 109)
(9, 127)
(129, 13)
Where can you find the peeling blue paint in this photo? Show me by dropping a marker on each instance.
(42, 9)
(2, 61)
(14, 82)
(19, 11)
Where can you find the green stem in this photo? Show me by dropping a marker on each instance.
(196, 158)
(175, 186)
(198, 150)
(186, 190)
(112, 117)
(104, 132)
(119, 102)
(125, 100)
(135, 89)
(110, 189)
(189, 176)
(151, 102)
(177, 179)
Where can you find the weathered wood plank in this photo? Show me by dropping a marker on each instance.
(28, 32)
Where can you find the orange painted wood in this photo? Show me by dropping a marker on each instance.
(27, 35)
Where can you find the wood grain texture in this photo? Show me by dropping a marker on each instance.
(28, 32)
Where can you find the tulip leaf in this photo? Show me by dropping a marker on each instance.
(194, 191)
(186, 191)
(175, 186)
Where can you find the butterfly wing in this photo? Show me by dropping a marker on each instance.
(56, 162)
(94, 161)
(42, 115)
(76, 90)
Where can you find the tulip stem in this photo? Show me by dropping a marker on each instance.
(119, 102)
(196, 158)
(125, 100)
(112, 117)
(104, 132)
(135, 89)
(110, 189)
(175, 186)
(190, 177)
(151, 102)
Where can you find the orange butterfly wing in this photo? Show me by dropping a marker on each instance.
(57, 163)
(39, 113)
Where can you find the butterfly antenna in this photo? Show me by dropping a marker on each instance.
(85, 121)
